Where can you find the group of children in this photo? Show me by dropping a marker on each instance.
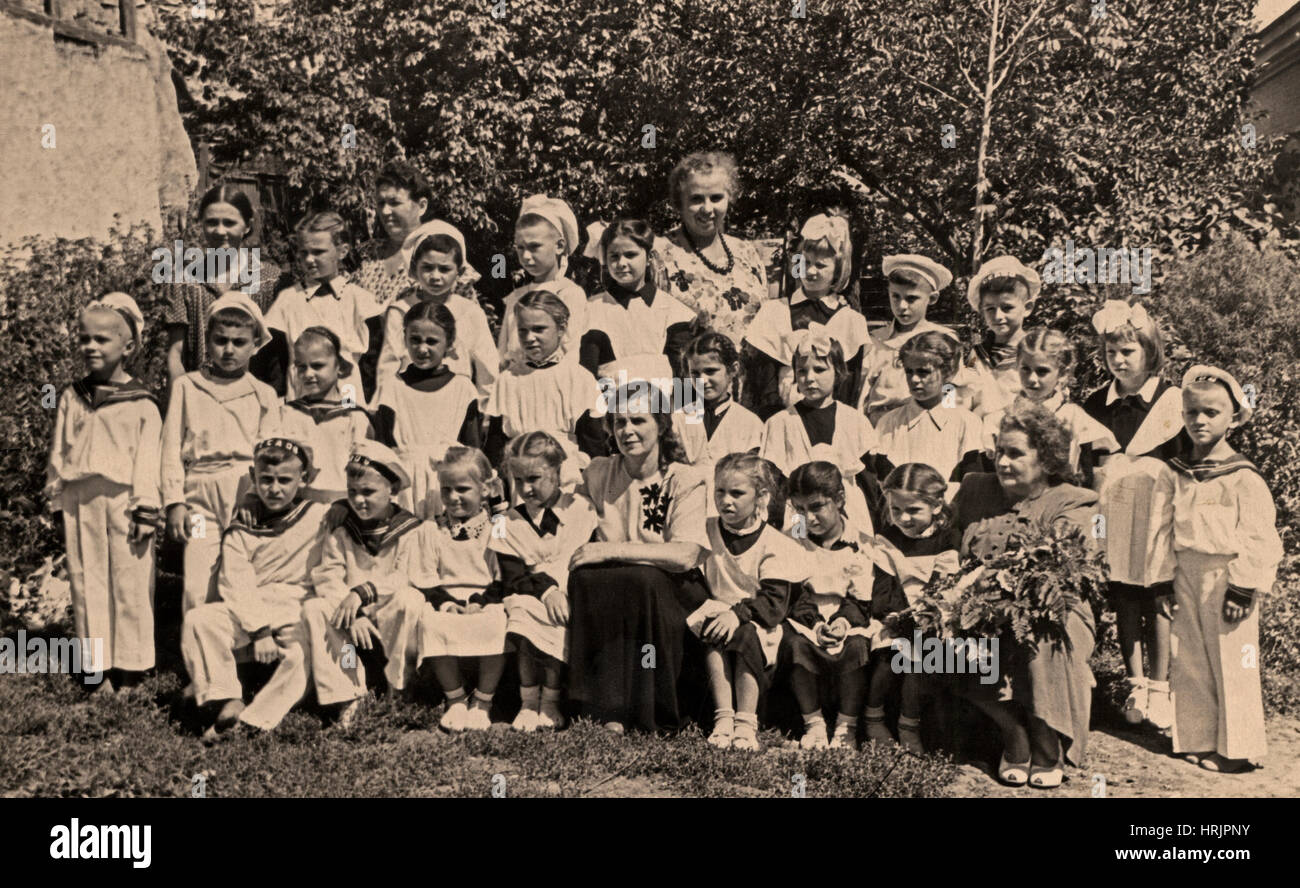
(418, 490)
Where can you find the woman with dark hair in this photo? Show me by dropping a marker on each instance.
(630, 591)
(226, 219)
(402, 201)
(718, 275)
(1042, 707)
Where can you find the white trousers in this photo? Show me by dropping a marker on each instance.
(336, 666)
(1214, 669)
(211, 498)
(111, 578)
(210, 636)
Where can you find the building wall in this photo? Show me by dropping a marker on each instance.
(117, 152)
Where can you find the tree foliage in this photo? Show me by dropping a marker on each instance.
(1124, 128)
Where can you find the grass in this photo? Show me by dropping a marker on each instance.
(57, 741)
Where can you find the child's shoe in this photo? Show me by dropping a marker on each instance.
(1135, 707)
(477, 718)
(909, 734)
(746, 735)
(549, 717)
(1220, 765)
(724, 728)
(525, 721)
(814, 735)
(530, 699)
(846, 733)
(1160, 708)
(453, 720)
(877, 731)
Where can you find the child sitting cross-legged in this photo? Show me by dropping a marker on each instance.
(374, 564)
(264, 573)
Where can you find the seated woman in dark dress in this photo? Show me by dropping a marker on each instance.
(629, 593)
(1042, 707)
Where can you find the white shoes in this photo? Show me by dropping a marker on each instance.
(845, 737)
(525, 721)
(814, 737)
(453, 720)
(477, 719)
(550, 718)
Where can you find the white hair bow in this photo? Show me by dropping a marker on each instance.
(816, 341)
(1116, 313)
(835, 231)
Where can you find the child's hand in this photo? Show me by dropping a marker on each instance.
(472, 608)
(265, 650)
(720, 629)
(346, 612)
(838, 629)
(589, 553)
(363, 631)
(178, 515)
(451, 607)
(140, 531)
(823, 635)
(557, 606)
(1234, 612)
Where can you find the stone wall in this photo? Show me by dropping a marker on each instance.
(90, 134)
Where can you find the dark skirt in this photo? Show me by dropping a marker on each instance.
(802, 652)
(615, 611)
(748, 650)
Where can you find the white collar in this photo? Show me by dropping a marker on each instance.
(831, 300)
(1147, 392)
(336, 283)
(938, 414)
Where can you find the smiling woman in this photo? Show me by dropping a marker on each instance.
(630, 592)
(718, 275)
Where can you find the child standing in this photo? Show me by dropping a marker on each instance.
(1046, 360)
(437, 263)
(103, 477)
(326, 300)
(331, 426)
(214, 417)
(915, 283)
(1226, 549)
(914, 547)
(463, 617)
(267, 555)
(427, 404)
(753, 571)
(367, 584)
(820, 428)
(711, 361)
(540, 536)
(823, 264)
(631, 325)
(542, 391)
(227, 220)
(831, 621)
(1002, 293)
(928, 429)
(546, 234)
(1142, 411)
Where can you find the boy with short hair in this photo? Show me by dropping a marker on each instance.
(1226, 552)
(915, 283)
(367, 584)
(546, 234)
(326, 299)
(1002, 293)
(214, 416)
(267, 555)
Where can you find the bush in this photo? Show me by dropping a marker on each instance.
(43, 284)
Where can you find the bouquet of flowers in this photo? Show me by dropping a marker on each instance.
(1027, 590)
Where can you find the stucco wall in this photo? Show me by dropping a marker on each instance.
(118, 149)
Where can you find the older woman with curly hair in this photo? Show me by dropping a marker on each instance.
(721, 276)
(1042, 707)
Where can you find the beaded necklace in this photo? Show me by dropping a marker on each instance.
(731, 260)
